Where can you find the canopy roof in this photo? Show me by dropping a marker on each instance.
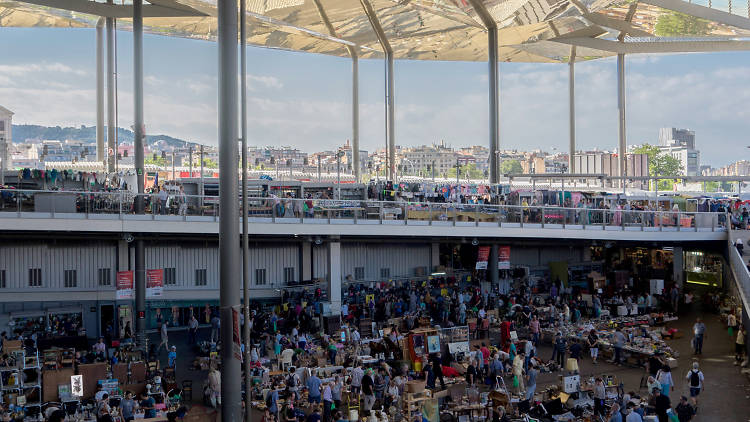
(528, 30)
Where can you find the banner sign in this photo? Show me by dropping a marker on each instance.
(124, 285)
(503, 257)
(483, 256)
(154, 283)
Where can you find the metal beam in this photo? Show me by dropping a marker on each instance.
(110, 10)
(622, 26)
(655, 47)
(229, 267)
(389, 89)
(702, 12)
(111, 129)
(245, 227)
(572, 109)
(101, 149)
(622, 144)
(139, 129)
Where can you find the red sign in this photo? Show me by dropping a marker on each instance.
(124, 285)
(154, 283)
(503, 257)
(483, 256)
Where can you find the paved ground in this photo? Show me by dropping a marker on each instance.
(726, 396)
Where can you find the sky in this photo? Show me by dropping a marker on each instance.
(47, 77)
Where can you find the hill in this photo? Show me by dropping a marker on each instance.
(85, 134)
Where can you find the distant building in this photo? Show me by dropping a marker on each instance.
(680, 144)
(608, 164)
(6, 137)
(425, 158)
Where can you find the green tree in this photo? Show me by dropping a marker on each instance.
(156, 160)
(470, 169)
(675, 24)
(660, 164)
(511, 167)
(210, 164)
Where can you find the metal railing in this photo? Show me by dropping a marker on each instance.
(120, 205)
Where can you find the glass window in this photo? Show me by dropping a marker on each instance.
(105, 277)
(289, 275)
(70, 278)
(260, 276)
(2, 279)
(385, 272)
(200, 277)
(359, 273)
(35, 277)
(170, 276)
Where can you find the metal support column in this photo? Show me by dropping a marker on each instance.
(391, 116)
(245, 237)
(355, 116)
(572, 109)
(111, 129)
(492, 267)
(622, 145)
(229, 262)
(101, 149)
(494, 106)
(139, 129)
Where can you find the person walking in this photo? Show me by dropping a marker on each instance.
(531, 375)
(600, 395)
(699, 332)
(518, 362)
(664, 376)
(215, 327)
(731, 323)
(619, 343)
(661, 404)
(739, 344)
(164, 337)
(560, 347)
(192, 330)
(684, 410)
(695, 381)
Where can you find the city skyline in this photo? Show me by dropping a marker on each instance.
(434, 101)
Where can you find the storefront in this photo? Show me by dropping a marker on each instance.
(703, 268)
(177, 312)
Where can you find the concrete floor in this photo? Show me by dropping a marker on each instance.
(726, 396)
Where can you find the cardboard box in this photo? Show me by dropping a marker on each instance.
(672, 362)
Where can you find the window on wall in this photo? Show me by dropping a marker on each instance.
(35, 277)
(105, 277)
(260, 276)
(200, 277)
(385, 273)
(2, 279)
(170, 276)
(359, 273)
(70, 278)
(289, 275)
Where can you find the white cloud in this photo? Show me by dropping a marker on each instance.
(256, 81)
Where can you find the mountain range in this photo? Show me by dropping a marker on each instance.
(87, 134)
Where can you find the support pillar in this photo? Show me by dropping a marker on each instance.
(622, 145)
(494, 93)
(101, 148)
(355, 117)
(305, 261)
(391, 117)
(123, 252)
(434, 256)
(494, 278)
(677, 266)
(334, 276)
(572, 110)
(245, 229)
(111, 125)
(139, 128)
(229, 262)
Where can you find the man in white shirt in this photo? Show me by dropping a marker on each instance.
(355, 336)
(357, 374)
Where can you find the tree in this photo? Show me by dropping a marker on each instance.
(210, 164)
(675, 24)
(470, 169)
(155, 160)
(660, 164)
(511, 167)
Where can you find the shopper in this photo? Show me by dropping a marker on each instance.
(661, 404)
(731, 323)
(614, 413)
(684, 410)
(593, 343)
(215, 327)
(313, 389)
(531, 376)
(164, 337)
(560, 348)
(699, 332)
(127, 407)
(664, 376)
(619, 343)
(368, 391)
(192, 330)
(518, 372)
(600, 395)
(739, 344)
(695, 381)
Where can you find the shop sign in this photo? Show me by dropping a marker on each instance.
(76, 385)
(236, 349)
(154, 283)
(124, 285)
(503, 258)
(483, 256)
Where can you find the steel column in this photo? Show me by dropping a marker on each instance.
(391, 116)
(245, 238)
(139, 129)
(494, 103)
(229, 261)
(622, 145)
(101, 149)
(572, 109)
(492, 266)
(111, 129)
(355, 116)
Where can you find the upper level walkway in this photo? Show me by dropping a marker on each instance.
(182, 214)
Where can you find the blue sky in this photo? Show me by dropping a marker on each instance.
(47, 77)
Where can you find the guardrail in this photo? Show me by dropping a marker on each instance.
(740, 273)
(120, 205)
